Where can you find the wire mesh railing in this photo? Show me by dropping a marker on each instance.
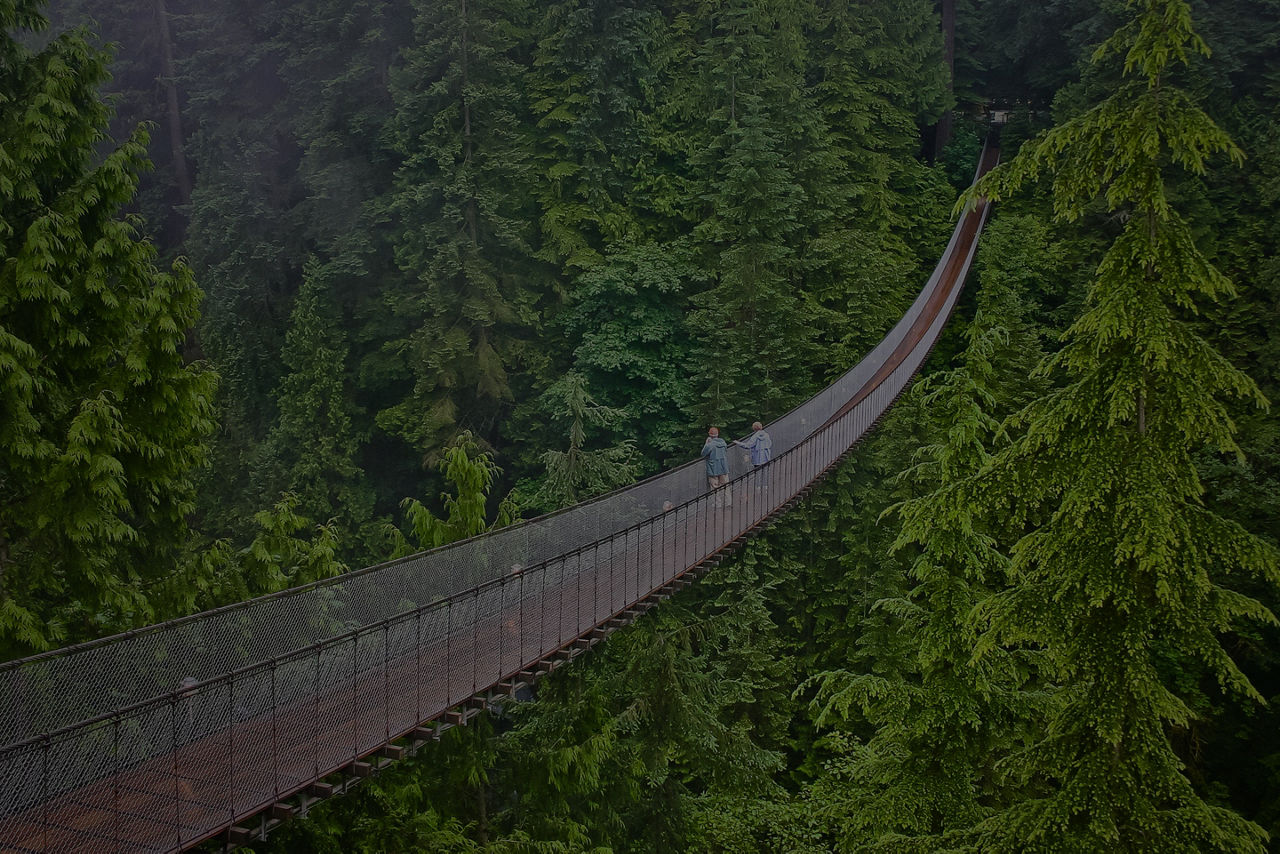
(46, 693)
(158, 739)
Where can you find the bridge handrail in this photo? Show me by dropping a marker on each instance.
(166, 681)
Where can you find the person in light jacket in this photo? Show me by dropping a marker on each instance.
(715, 452)
(759, 444)
(760, 448)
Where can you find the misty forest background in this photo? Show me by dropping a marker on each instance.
(399, 271)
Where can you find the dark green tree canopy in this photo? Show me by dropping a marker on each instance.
(449, 249)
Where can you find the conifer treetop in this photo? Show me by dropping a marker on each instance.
(1120, 148)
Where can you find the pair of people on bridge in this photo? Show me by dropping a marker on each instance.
(716, 452)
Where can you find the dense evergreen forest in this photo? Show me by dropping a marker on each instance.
(291, 287)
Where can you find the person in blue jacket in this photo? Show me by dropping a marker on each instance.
(715, 452)
(760, 447)
(759, 444)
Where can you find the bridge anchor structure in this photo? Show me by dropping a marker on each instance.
(221, 725)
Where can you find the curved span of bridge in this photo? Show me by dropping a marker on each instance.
(226, 722)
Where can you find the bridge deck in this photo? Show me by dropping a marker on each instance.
(338, 702)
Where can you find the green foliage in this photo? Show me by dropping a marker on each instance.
(471, 473)
(137, 91)
(617, 752)
(729, 825)
(1027, 53)
(469, 289)
(753, 322)
(238, 237)
(1122, 575)
(960, 157)
(276, 559)
(876, 76)
(313, 447)
(415, 807)
(627, 320)
(285, 104)
(580, 225)
(593, 71)
(103, 422)
(578, 473)
(1240, 749)
(943, 721)
(864, 636)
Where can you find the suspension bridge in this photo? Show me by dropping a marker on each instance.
(218, 726)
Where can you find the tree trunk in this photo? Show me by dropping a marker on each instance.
(4, 565)
(176, 137)
(472, 229)
(942, 130)
(482, 808)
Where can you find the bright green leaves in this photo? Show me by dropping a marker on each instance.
(1124, 566)
(104, 424)
(1121, 148)
(471, 473)
(1159, 36)
(275, 558)
(942, 717)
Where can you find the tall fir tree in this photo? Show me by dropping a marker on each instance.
(874, 74)
(103, 424)
(753, 320)
(313, 448)
(942, 722)
(239, 238)
(470, 294)
(877, 74)
(626, 321)
(580, 472)
(1123, 578)
(592, 77)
